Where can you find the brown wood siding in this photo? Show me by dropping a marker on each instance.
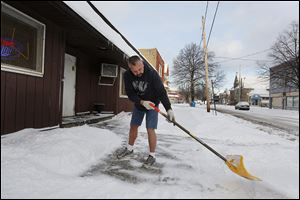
(94, 75)
(88, 91)
(30, 103)
(21, 101)
(58, 50)
(10, 97)
(109, 95)
(3, 84)
(38, 108)
(83, 84)
(125, 105)
(34, 102)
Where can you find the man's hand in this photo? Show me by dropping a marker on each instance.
(171, 116)
(146, 104)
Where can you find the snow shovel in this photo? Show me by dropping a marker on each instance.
(234, 162)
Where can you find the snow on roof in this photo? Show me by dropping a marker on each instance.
(86, 12)
(261, 91)
(173, 95)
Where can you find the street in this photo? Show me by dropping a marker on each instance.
(280, 119)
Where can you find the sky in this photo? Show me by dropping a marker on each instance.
(79, 162)
(240, 29)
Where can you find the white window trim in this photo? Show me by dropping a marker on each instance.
(107, 65)
(21, 70)
(160, 70)
(107, 84)
(121, 83)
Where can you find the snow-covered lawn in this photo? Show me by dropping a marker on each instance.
(78, 162)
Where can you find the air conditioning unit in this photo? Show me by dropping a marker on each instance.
(109, 70)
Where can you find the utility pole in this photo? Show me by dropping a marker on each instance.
(240, 84)
(206, 66)
(213, 94)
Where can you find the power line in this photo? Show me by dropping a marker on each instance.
(242, 57)
(212, 23)
(206, 9)
(252, 54)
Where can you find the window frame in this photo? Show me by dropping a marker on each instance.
(160, 70)
(122, 71)
(40, 46)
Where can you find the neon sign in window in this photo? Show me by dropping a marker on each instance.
(22, 42)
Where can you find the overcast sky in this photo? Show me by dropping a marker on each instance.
(240, 29)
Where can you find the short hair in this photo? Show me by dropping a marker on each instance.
(133, 59)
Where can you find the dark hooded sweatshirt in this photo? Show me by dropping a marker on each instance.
(148, 87)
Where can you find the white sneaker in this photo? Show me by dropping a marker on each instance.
(124, 153)
(150, 160)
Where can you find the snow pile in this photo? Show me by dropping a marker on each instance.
(60, 151)
(30, 157)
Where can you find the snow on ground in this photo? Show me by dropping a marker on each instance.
(79, 162)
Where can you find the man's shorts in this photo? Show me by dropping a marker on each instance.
(138, 116)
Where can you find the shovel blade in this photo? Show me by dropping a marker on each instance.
(236, 164)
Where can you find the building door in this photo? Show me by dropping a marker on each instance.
(69, 86)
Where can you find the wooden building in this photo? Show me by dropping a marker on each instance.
(56, 62)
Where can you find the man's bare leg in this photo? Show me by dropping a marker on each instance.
(133, 134)
(151, 139)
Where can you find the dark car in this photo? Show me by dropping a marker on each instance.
(242, 105)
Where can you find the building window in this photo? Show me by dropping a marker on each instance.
(122, 92)
(289, 102)
(22, 42)
(296, 102)
(160, 70)
(292, 102)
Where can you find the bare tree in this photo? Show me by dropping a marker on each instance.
(184, 92)
(218, 79)
(284, 53)
(189, 71)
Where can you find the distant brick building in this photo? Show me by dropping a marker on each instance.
(283, 94)
(155, 59)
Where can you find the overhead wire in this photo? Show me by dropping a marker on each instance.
(245, 56)
(212, 23)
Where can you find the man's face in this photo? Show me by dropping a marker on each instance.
(137, 69)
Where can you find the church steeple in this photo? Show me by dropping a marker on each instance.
(236, 82)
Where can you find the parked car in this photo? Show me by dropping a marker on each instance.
(242, 105)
